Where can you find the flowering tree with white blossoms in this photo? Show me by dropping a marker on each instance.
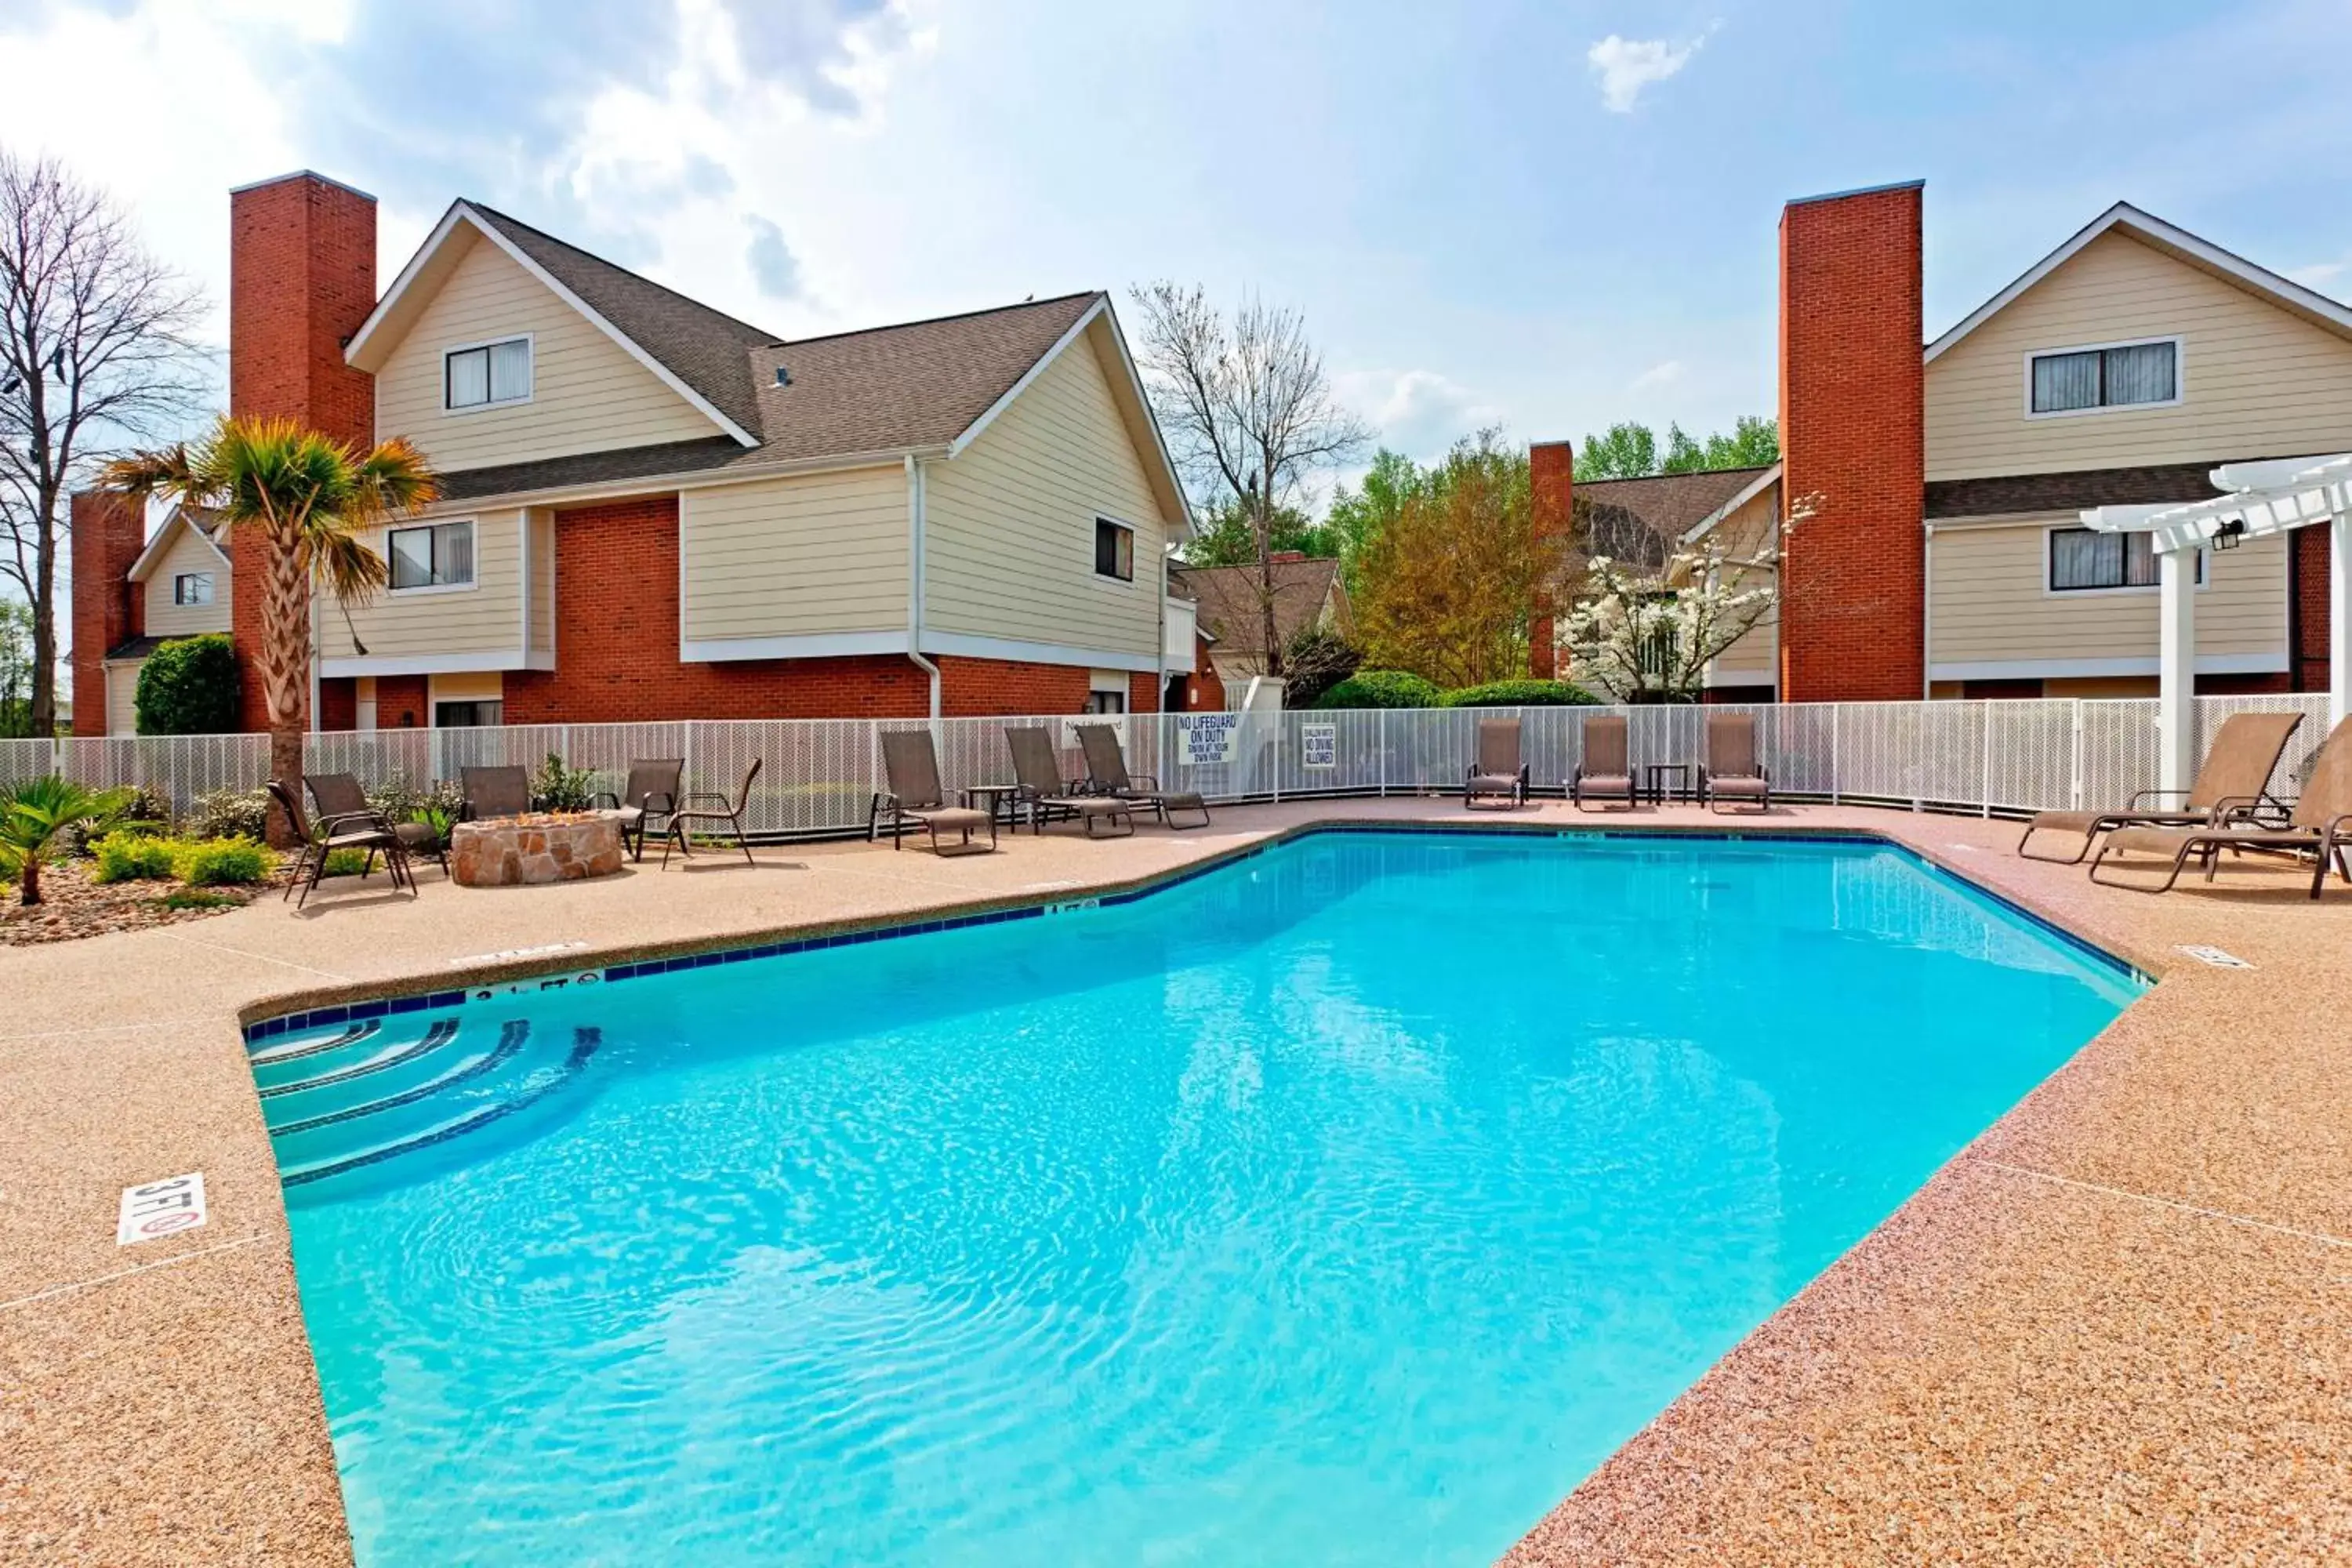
(1648, 637)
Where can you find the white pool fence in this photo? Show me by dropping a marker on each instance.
(819, 775)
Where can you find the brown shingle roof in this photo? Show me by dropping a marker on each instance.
(1671, 504)
(2153, 485)
(1232, 612)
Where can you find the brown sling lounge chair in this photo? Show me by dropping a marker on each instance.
(495, 792)
(2320, 827)
(1605, 774)
(325, 837)
(1499, 773)
(343, 804)
(1043, 796)
(651, 792)
(2233, 783)
(1106, 774)
(718, 810)
(1731, 770)
(917, 799)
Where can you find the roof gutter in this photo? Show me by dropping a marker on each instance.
(915, 559)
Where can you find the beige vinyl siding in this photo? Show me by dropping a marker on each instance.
(588, 395)
(1989, 602)
(2255, 381)
(1010, 523)
(484, 620)
(188, 553)
(121, 697)
(1747, 534)
(806, 556)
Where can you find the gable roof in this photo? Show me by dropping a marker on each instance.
(1679, 507)
(182, 520)
(1233, 614)
(2181, 245)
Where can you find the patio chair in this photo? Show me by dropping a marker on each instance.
(1041, 793)
(1729, 770)
(2320, 827)
(1106, 774)
(495, 792)
(2234, 783)
(722, 810)
(1499, 772)
(343, 804)
(651, 791)
(1605, 774)
(916, 798)
(322, 839)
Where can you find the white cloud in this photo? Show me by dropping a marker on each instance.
(1626, 66)
(1664, 374)
(2318, 274)
(1417, 412)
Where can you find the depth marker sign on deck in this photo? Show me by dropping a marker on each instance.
(160, 1209)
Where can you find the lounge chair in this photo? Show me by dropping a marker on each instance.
(721, 810)
(2234, 783)
(651, 792)
(495, 792)
(2320, 827)
(343, 804)
(1605, 774)
(1499, 772)
(323, 838)
(1730, 770)
(1106, 774)
(917, 799)
(1046, 798)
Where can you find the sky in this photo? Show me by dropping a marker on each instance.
(1541, 216)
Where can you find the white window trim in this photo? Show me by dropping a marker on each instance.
(2204, 572)
(1134, 544)
(427, 589)
(2180, 378)
(211, 590)
(529, 340)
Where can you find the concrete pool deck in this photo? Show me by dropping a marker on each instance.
(2117, 1328)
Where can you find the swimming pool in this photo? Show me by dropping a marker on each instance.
(1346, 1204)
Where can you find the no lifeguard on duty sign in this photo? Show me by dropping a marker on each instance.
(160, 1209)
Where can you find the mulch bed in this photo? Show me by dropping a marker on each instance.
(73, 905)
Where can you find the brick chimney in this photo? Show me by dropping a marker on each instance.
(302, 265)
(1551, 484)
(106, 535)
(1853, 576)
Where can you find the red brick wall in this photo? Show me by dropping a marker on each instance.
(105, 536)
(301, 280)
(2306, 608)
(402, 702)
(339, 703)
(973, 686)
(1551, 479)
(1853, 577)
(1143, 692)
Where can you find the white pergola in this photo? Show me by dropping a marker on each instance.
(2265, 499)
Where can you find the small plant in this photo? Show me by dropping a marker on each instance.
(223, 862)
(229, 814)
(197, 899)
(346, 862)
(400, 801)
(128, 856)
(35, 817)
(558, 788)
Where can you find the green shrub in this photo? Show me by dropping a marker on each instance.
(1381, 689)
(229, 814)
(401, 801)
(346, 862)
(224, 862)
(1315, 661)
(558, 788)
(189, 687)
(197, 899)
(1520, 694)
(133, 856)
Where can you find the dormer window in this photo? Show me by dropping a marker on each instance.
(2107, 375)
(483, 375)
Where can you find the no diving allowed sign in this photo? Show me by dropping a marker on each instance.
(160, 1209)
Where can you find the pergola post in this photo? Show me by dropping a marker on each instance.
(2176, 667)
(2339, 618)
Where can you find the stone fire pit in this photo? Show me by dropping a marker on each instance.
(544, 846)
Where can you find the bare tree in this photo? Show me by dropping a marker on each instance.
(1247, 409)
(96, 352)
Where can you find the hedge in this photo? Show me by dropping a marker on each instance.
(1380, 688)
(189, 687)
(1520, 694)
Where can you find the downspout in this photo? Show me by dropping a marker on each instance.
(915, 580)
(1927, 616)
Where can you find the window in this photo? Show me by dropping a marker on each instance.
(487, 373)
(2106, 378)
(2083, 560)
(1113, 550)
(192, 588)
(471, 715)
(438, 555)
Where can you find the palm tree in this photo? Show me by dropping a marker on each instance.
(35, 812)
(312, 498)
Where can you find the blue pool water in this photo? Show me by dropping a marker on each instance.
(1346, 1204)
